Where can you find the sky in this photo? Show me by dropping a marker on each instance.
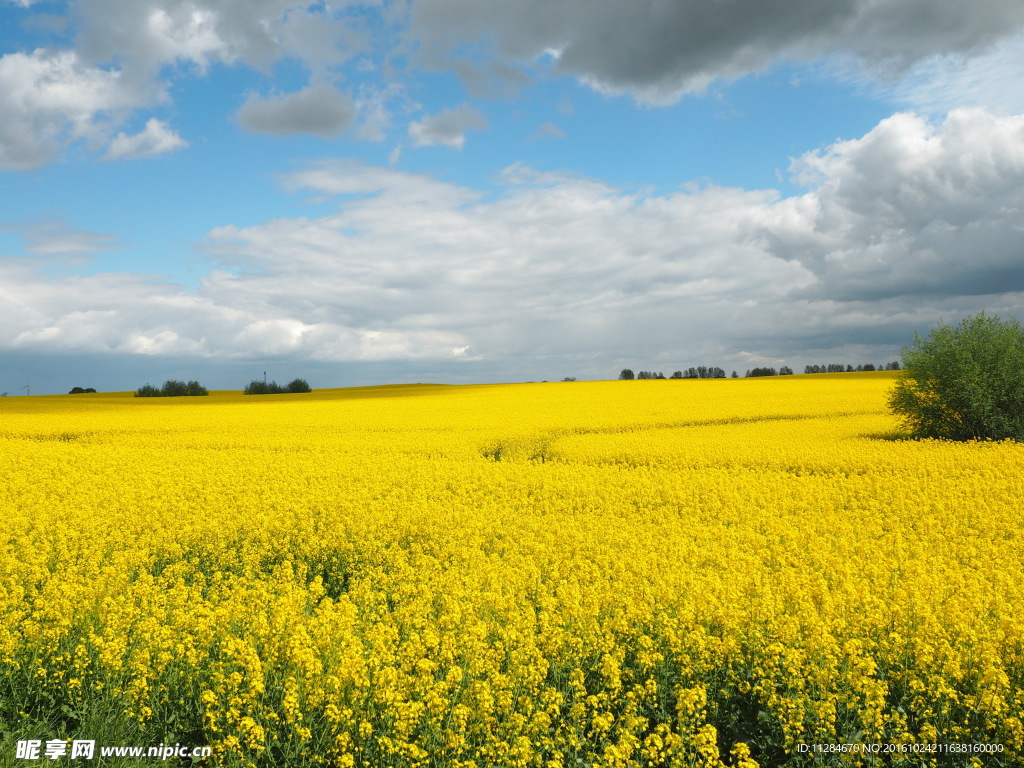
(460, 191)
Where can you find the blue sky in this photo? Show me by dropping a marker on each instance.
(450, 190)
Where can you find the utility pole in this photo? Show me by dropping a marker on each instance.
(264, 377)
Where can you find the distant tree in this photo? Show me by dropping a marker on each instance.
(735, 375)
(626, 374)
(81, 391)
(173, 388)
(258, 387)
(869, 367)
(676, 375)
(964, 382)
(893, 366)
(569, 378)
(301, 386)
(762, 372)
(660, 375)
(785, 370)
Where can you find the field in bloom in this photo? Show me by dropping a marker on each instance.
(625, 573)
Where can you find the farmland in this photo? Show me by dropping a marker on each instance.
(627, 573)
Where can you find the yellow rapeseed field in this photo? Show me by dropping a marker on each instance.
(627, 573)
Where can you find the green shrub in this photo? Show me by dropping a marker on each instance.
(173, 388)
(82, 391)
(257, 387)
(964, 382)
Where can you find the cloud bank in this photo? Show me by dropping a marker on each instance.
(913, 220)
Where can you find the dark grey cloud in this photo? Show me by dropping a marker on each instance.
(448, 127)
(320, 109)
(658, 50)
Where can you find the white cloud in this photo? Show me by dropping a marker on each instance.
(155, 139)
(319, 109)
(548, 131)
(910, 208)
(377, 106)
(148, 34)
(50, 98)
(912, 220)
(989, 79)
(448, 127)
(56, 238)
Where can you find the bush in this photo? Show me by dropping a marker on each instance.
(81, 391)
(257, 387)
(173, 388)
(964, 382)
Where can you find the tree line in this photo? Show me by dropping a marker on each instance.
(175, 388)
(714, 372)
(840, 368)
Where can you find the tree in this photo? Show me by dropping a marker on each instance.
(964, 382)
(173, 388)
(260, 387)
(626, 374)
